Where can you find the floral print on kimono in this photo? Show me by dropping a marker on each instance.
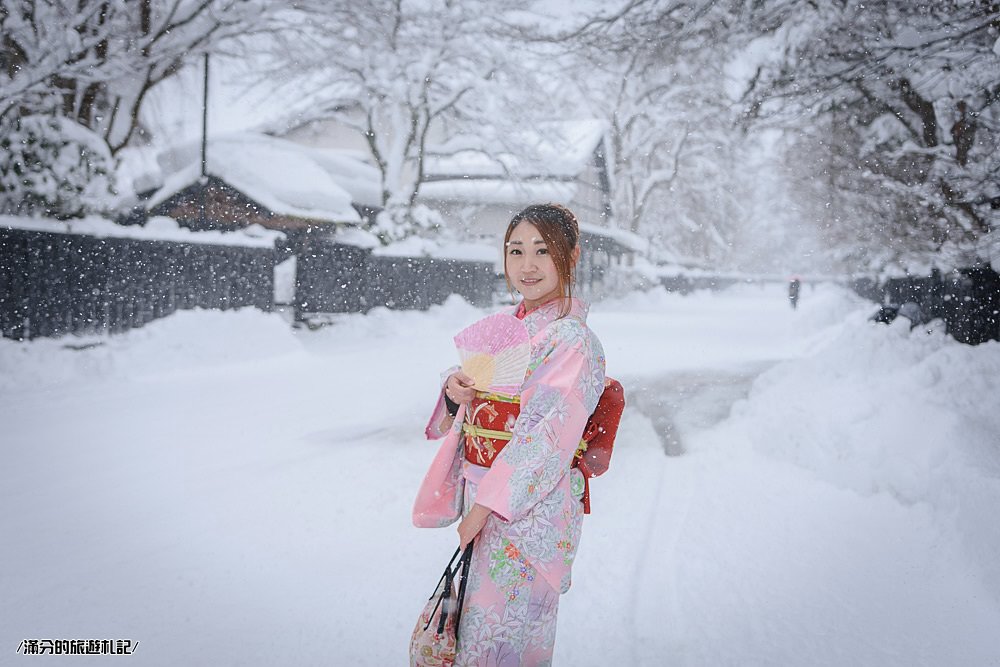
(531, 487)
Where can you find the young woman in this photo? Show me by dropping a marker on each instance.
(524, 511)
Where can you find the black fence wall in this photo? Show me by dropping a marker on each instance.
(53, 284)
(968, 300)
(331, 278)
(420, 282)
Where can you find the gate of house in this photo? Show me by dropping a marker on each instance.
(54, 282)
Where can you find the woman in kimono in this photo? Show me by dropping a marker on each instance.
(524, 512)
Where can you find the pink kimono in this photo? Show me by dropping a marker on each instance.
(523, 558)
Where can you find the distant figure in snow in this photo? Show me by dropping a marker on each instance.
(520, 502)
(793, 291)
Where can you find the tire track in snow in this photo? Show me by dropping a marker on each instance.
(675, 404)
(658, 554)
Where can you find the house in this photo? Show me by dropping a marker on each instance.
(316, 197)
(482, 187)
(478, 190)
(257, 179)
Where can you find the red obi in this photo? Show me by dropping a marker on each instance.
(489, 420)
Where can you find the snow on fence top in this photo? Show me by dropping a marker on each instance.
(355, 236)
(415, 246)
(285, 177)
(156, 229)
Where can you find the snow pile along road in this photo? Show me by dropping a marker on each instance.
(222, 488)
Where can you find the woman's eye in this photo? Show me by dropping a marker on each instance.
(515, 251)
(543, 251)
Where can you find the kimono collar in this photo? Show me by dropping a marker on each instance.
(543, 315)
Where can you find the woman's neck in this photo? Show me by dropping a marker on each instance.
(535, 304)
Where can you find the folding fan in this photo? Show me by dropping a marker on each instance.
(495, 352)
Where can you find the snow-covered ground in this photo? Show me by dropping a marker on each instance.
(226, 490)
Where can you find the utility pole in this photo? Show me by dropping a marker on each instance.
(203, 223)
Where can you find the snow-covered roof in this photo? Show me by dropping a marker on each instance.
(623, 237)
(550, 150)
(351, 172)
(285, 177)
(155, 229)
(549, 161)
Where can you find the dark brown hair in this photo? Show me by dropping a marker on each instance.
(561, 233)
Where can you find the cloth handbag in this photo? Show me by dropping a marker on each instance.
(435, 637)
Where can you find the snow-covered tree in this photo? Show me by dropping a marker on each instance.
(906, 94)
(395, 71)
(655, 71)
(53, 166)
(90, 64)
(93, 61)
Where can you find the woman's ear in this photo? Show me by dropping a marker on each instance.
(575, 255)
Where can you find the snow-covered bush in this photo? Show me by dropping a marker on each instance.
(396, 223)
(55, 167)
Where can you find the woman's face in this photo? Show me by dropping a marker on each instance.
(530, 268)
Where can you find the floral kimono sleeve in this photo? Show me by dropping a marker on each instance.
(439, 499)
(558, 397)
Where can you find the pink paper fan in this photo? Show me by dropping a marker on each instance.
(495, 352)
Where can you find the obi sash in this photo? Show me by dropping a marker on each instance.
(488, 426)
(489, 422)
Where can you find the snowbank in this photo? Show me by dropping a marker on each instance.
(188, 340)
(216, 483)
(886, 410)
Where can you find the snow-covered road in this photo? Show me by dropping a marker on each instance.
(226, 491)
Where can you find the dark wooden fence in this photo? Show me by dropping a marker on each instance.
(333, 278)
(967, 300)
(684, 284)
(53, 283)
(420, 282)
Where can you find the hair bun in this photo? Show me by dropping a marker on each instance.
(556, 213)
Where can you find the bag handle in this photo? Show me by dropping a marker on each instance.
(462, 569)
(465, 564)
(446, 571)
(446, 577)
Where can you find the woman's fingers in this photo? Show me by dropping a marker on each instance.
(459, 388)
(472, 524)
(467, 532)
(463, 537)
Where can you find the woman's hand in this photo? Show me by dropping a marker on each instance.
(472, 524)
(459, 387)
